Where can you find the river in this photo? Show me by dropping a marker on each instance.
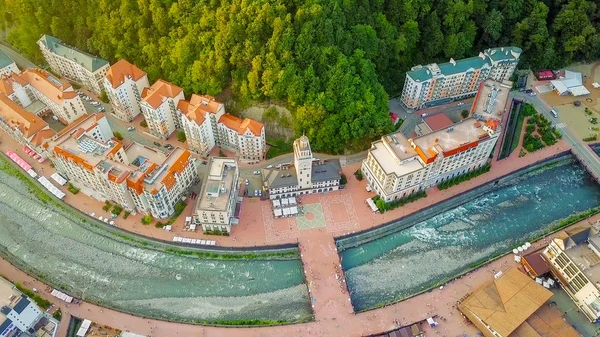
(445, 244)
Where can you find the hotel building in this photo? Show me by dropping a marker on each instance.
(218, 205)
(7, 65)
(37, 84)
(124, 84)
(137, 177)
(206, 125)
(74, 64)
(574, 259)
(307, 176)
(159, 106)
(440, 83)
(199, 117)
(244, 137)
(397, 166)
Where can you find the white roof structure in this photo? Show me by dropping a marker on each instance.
(50, 187)
(371, 204)
(130, 334)
(60, 295)
(276, 203)
(294, 210)
(83, 329)
(286, 211)
(278, 212)
(596, 85)
(571, 83)
(59, 179)
(292, 200)
(284, 202)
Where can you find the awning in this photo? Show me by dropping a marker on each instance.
(59, 179)
(294, 210)
(276, 203)
(277, 212)
(286, 211)
(284, 202)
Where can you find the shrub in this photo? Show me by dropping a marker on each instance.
(464, 113)
(181, 136)
(522, 153)
(41, 302)
(467, 176)
(74, 85)
(221, 153)
(588, 112)
(118, 135)
(358, 175)
(594, 120)
(103, 96)
(159, 224)
(117, 209)
(144, 124)
(528, 110)
(147, 219)
(72, 188)
(343, 179)
(530, 128)
(106, 207)
(590, 138)
(57, 315)
(386, 206)
(126, 214)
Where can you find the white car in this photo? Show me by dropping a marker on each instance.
(461, 104)
(270, 166)
(131, 128)
(256, 172)
(247, 182)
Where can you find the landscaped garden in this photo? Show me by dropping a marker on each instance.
(539, 131)
(387, 206)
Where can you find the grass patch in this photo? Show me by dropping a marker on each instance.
(387, 206)
(468, 176)
(224, 256)
(41, 302)
(278, 147)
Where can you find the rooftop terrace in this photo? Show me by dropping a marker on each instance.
(217, 187)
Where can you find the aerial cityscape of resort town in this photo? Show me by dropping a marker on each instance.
(133, 208)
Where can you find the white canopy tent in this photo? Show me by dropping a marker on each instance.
(371, 204)
(292, 200)
(50, 187)
(59, 179)
(278, 212)
(276, 203)
(284, 202)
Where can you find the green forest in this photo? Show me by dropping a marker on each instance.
(334, 63)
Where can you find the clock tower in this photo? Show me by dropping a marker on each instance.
(303, 162)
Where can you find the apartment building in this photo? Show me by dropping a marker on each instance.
(440, 83)
(74, 64)
(397, 166)
(574, 259)
(159, 106)
(124, 84)
(199, 118)
(137, 177)
(218, 205)
(7, 65)
(244, 137)
(306, 176)
(39, 85)
(24, 126)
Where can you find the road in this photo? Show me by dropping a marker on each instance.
(579, 148)
(21, 61)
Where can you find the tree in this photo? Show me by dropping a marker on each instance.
(181, 136)
(144, 124)
(147, 219)
(118, 135)
(103, 96)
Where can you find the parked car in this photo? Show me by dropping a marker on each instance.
(169, 146)
(156, 143)
(256, 172)
(270, 166)
(528, 91)
(532, 93)
(554, 113)
(461, 104)
(131, 128)
(247, 182)
(425, 115)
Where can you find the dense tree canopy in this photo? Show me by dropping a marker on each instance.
(332, 61)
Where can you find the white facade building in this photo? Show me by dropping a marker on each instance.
(306, 176)
(74, 64)
(124, 84)
(217, 208)
(244, 137)
(199, 117)
(137, 177)
(396, 167)
(7, 65)
(159, 106)
(439, 83)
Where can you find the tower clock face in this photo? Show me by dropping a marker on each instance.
(305, 165)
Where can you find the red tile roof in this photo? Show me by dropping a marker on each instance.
(438, 121)
(159, 90)
(241, 126)
(492, 124)
(122, 69)
(16, 116)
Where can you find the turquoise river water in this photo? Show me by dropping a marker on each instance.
(91, 263)
(447, 243)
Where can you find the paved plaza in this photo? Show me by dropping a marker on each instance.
(311, 217)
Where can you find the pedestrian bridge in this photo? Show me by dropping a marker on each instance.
(588, 158)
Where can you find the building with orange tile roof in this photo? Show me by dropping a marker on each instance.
(159, 106)
(244, 137)
(73, 63)
(199, 117)
(137, 177)
(23, 126)
(56, 94)
(396, 166)
(124, 84)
